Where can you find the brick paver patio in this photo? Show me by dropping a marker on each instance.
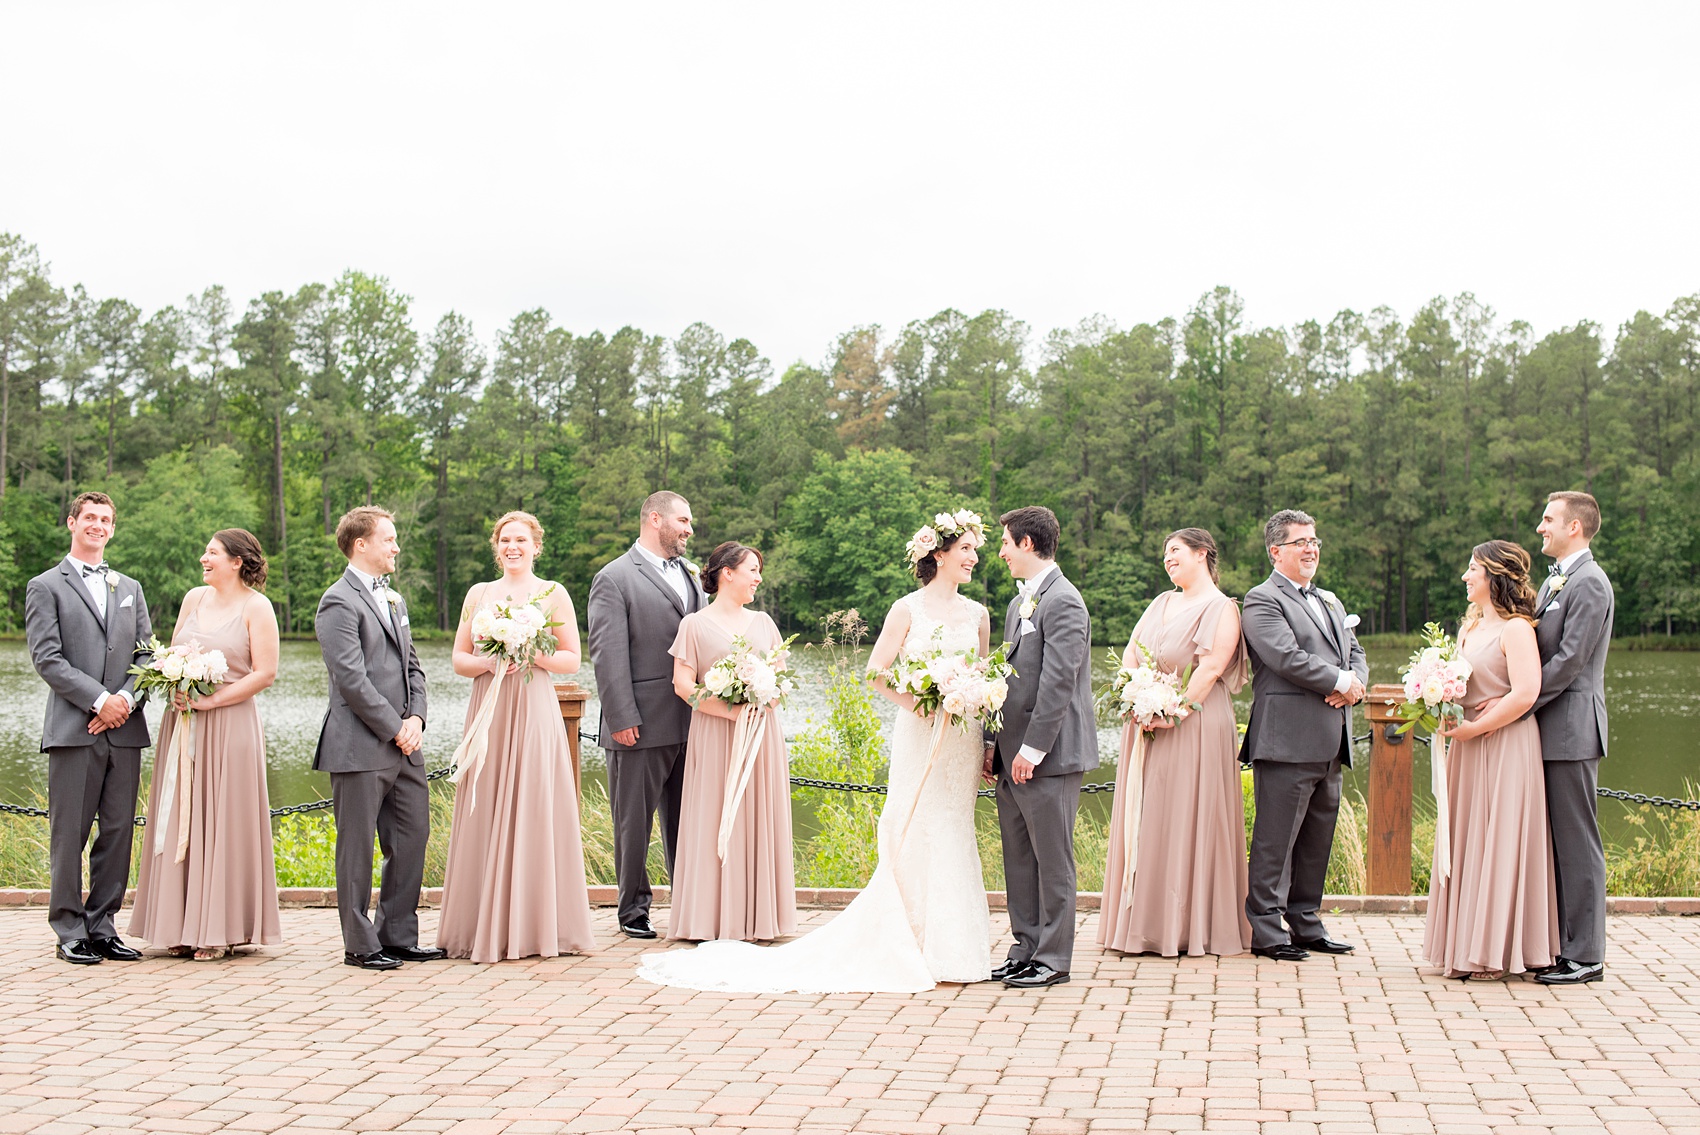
(289, 1039)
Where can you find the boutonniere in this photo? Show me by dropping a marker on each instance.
(390, 595)
(1029, 604)
(1558, 582)
(696, 572)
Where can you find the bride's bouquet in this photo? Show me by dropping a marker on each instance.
(187, 670)
(1435, 680)
(1144, 692)
(753, 681)
(516, 633)
(952, 687)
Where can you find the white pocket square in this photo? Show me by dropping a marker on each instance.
(1027, 626)
(1352, 621)
(404, 620)
(129, 601)
(1551, 607)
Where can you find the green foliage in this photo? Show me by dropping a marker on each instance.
(166, 518)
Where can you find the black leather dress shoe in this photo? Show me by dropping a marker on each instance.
(379, 960)
(1573, 973)
(1035, 975)
(114, 950)
(1009, 969)
(1282, 952)
(415, 953)
(1557, 966)
(78, 953)
(638, 927)
(1324, 946)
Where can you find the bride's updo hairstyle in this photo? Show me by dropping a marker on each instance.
(926, 568)
(1199, 541)
(245, 546)
(1509, 589)
(506, 519)
(731, 554)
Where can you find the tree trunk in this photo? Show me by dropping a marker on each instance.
(282, 513)
(5, 417)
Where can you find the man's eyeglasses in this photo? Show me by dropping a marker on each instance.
(1307, 542)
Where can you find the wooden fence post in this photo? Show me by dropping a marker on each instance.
(1388, 856)
(572, 701)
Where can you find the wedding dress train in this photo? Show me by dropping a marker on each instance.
(922, 918)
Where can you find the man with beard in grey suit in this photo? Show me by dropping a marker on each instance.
(1048, 742)
(1576, 607)
(370, 744)
(636, 603)
(84, 623)
(1308, 670)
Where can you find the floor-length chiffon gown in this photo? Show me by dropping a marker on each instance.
(751, 895)
(1498, 908)
(922, 918)
(514, 883)
(224, 893)
(1188, 892)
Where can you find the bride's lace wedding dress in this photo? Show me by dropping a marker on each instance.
(922, 918)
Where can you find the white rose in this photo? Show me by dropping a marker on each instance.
(944, 520)
(171, 666)
(1434, 689)
(195, 669)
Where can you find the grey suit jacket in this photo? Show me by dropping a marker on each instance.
(1295, 660)
(1050, 698)
(376, 680)
(633, 617)
(1573, 635)
(80, 656)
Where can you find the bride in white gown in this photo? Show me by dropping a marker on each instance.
(922, 918)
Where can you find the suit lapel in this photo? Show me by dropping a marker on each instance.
(1286, 587)
(647, 570)
(75, 582)
(371, 600)
(1012, 626)
(117, 596)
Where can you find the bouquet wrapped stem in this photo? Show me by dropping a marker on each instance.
(516, 633)
(1435, 680)
(178, 673)
(753, 682)
(1141, 694)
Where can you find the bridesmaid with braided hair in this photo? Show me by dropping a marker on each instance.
(1496, 911)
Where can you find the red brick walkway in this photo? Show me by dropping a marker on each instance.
(289, 1039)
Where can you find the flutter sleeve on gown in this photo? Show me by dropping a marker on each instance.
(1239, 669)
(684, 645)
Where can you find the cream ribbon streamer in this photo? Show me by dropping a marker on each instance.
(747, 734)
(1130, 798)
(179, 778)
(1442, 867)
(469, 756)
(941, 721)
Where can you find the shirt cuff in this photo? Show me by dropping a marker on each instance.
(101, 700)
(1031, 755)
(1344, 681)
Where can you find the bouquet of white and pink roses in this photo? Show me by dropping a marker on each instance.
(515, 632)
(752, 681)
(178, 673)
(1435, 681)
(1145, 693)
(967, 688)
(749, 677)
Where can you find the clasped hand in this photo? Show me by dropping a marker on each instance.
(1353, 694)
(115, 712)
(410, 736)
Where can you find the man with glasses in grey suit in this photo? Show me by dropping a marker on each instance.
(85, 623)
(1308, 670)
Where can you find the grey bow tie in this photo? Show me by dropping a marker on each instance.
(380, 583)
(1553, 571)
(1308, 591)
(95, 569)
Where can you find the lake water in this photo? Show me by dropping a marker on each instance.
(1654, 698)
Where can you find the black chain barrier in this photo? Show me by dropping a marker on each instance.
(848, 786)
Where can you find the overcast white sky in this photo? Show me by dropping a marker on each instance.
(784, 172)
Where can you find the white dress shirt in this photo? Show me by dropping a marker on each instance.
(373, 597)
(1030, 586)
(1568, 563)
(672, 571)
(1343, 682)
(99, 588)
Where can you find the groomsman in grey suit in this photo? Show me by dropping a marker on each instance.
(636, 604)
(1576, 606)
(83, 622)
(1308, 670)
(370, 744)
(1049, 740)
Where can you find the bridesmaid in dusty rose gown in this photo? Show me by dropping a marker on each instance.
(1496, 912)
(1187, 894)
(222, 893)
(752, 894)
(514, 884)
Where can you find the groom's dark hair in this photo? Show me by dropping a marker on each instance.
(1582, 507)
(1276, 528)
(1037, 523)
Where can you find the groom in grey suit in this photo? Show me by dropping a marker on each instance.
(636, 604)
(1576, 606)
(1308, 670)
(1049, 740)
(370, 744)
(84, 622)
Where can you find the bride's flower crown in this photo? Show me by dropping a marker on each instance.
(945, 525)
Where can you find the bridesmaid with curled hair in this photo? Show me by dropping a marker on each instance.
(1496, 911)
(206, 882)
(750, 895)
